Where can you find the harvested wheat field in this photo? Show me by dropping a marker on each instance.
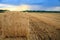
(29, 26)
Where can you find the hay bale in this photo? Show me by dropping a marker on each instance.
(15, 24)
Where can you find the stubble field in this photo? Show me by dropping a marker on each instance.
(29, 26)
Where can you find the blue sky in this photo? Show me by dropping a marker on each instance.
(44, 3)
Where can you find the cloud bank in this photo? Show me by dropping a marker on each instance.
(54, 9)
(23, 7)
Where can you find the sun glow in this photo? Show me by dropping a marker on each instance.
(23, 8)
(17, 8)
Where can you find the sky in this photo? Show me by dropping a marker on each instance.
(53, 5)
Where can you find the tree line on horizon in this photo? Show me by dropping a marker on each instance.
(1, 11)
(42, 11)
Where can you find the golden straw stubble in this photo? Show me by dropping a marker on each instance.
(15, 24)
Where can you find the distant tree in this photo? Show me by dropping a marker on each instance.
(1, 11)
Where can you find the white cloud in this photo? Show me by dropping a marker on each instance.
(6, 5)
(53, 9)
(36, 7)
(40, 7)
(27, 7)
(13, 7)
